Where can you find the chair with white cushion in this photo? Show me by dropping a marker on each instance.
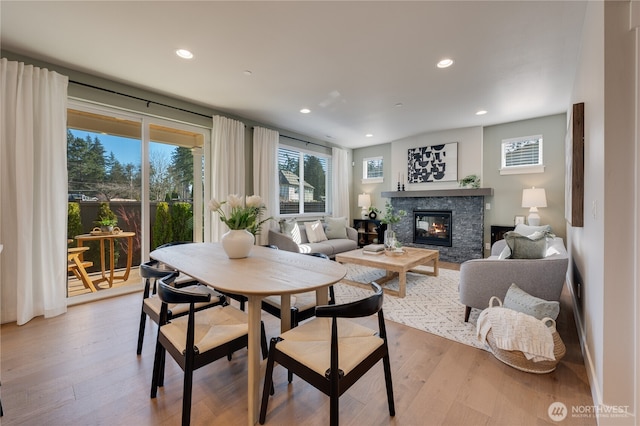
(195, 339)
(153, 271)
(331, 353)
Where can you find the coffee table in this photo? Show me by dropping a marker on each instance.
(393, 265)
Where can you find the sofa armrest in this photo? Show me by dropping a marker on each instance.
(352, 233)
(282, 241)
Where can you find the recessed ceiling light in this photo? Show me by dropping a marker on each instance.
(184, 53)
(481, 112)
(247, 72)
(368, 135)
(445, 63)
(398, 105)
(305, 110)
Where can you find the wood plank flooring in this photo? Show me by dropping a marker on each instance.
(81, 369)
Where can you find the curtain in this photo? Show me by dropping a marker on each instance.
(265, 175)
(228, 168)
(33, 192)
(341, 205)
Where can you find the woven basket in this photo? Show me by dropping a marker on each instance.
(516, 359)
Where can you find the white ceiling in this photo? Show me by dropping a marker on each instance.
(350, 62)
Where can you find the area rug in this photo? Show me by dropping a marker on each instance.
(431, 304)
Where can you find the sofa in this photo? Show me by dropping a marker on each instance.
(482, 278)
(292, 236)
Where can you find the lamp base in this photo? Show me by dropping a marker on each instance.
(365, 213)
(533, 219)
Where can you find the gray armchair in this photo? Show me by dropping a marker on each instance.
(482, 278)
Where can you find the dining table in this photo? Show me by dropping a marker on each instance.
(110, 237)
(265, 272)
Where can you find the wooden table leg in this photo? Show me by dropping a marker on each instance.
(285, 312)
(253, 361)
(112, 261)
(402, 283)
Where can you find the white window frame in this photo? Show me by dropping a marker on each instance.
(521, 169)
(365, 170)
(327, 204)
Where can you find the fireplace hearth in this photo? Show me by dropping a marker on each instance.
(432, 227)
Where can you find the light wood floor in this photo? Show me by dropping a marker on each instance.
(81, 369)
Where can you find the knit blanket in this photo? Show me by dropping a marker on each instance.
(516, 331)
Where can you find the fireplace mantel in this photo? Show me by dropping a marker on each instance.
(463, 192)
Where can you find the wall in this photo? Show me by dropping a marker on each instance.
(479, 153)
(395, 161)
(507, 194)
(605, 250)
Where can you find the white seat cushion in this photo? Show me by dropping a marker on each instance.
(310, 344)
(302, 301)
(213, 327)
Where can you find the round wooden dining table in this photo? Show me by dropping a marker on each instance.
(263, 273)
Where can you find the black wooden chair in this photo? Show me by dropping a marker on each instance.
(153, 271)
(332, 365)
(189, 339)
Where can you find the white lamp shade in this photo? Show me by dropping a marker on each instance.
(534, 197)
(364, 200)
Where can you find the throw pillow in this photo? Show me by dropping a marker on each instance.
(523, 229)
(315, 231)
(523, 247)
(521, 301)
(336, 227)
(289, 227)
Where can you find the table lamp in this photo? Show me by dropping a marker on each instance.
(364, 201)
(534, 198)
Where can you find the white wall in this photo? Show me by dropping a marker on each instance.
(605, 250)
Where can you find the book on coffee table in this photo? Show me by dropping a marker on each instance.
(373, 249)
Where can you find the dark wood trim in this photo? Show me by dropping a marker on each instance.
(577, 169)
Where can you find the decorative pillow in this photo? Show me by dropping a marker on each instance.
(523, 247)
(289, 227)
(523, 229)
(315, 231)
(336, 227)
(521, 301)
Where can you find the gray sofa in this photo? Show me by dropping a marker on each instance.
(329, 247)
(482, 278)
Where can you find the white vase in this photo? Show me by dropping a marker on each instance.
(237, 243)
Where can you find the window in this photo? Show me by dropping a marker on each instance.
(522, 155)
(372, 170)
(304, 180)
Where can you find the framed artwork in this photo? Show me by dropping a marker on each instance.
(435, 163)
(574, 158)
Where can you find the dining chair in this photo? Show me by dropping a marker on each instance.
(198, 338)
(152, 271)
(331, 353)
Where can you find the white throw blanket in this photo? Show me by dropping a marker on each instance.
(516, 331)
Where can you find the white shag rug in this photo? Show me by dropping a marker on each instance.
(432, 303)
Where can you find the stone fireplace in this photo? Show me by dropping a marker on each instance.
(466, 227)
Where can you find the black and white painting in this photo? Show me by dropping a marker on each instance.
(435, 163)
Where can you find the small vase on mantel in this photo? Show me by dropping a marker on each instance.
(237, 243)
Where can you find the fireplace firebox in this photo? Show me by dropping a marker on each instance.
(432, 227)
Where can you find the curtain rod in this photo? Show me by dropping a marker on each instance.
(148, 102)
(307, 142)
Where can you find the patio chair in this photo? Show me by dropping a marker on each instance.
(78, 266)
(331, 353)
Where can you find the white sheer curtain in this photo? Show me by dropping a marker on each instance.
(265, 175)
(33, 192)
(341, 205)
(228, 168)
